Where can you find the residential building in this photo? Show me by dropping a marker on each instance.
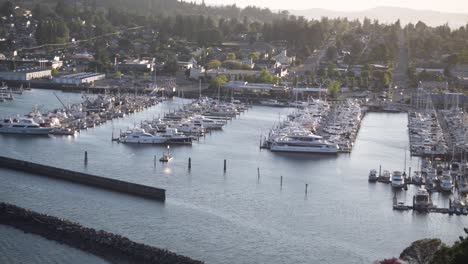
(136, 65)
(284, 59)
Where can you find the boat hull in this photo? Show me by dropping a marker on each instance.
(26, 131)
(302, 149)
(143, 141)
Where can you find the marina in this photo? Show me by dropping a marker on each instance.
(179, 127)
(70, 119)
(318, 127)
(253, 210)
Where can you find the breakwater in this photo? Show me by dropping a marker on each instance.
(84, 178)
(111, 247)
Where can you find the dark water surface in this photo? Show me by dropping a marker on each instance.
(230, 217)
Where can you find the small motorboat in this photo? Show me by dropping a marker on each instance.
(166, 157)
(400, 206)
(373, 176)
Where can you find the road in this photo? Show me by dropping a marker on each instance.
(313, 61)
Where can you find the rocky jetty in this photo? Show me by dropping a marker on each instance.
(111, 247)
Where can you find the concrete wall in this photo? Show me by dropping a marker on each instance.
(86, 179)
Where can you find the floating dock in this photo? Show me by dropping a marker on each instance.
(84, 178)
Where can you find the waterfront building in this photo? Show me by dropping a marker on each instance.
(79, 78)
(25, 74)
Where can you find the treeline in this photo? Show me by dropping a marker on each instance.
(438, 43)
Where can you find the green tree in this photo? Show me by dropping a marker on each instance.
(213, 64)
(254, 56)
(219, 80)
(7, 8)
(117, 75)
(334, 89)
(421, 251)
(231, 56)
(54, 72)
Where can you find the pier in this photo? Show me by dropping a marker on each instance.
(111, 247)
(85, 179)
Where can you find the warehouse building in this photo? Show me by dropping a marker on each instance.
(80, 78)
(25, 74)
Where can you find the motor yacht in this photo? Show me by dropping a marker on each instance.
(139, 136)
(306, 143)
(23, 126)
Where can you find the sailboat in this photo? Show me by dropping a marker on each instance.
(166, 157)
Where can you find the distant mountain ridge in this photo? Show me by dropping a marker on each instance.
(389, 14)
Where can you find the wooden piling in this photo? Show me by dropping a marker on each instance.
(86, 157)
(306, 186)
(281, 181)
(224, 165)
(154, 161)
(189, 163)
(258, 173)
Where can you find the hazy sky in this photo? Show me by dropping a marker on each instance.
(457, 6)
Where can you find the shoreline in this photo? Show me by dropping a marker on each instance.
(110, 247)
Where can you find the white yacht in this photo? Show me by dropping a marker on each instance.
(398, 181)
(191, 129)
(175, 137)
(207, 123)
(274, 103)
(307, 143)
(139, 136)
(23, 126)
(421, 200)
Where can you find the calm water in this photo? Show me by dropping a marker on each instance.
(232, 217)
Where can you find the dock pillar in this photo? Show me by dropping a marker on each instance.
(154, 161)
(281, 181)
(224, 165)
(258, 173)
(189, 163)
(86, 157)
(306, 186)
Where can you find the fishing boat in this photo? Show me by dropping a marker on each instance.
(373, 176)
(166, 156)
(398, 181)
(417, 179)
(422, 200)
(385, 177)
